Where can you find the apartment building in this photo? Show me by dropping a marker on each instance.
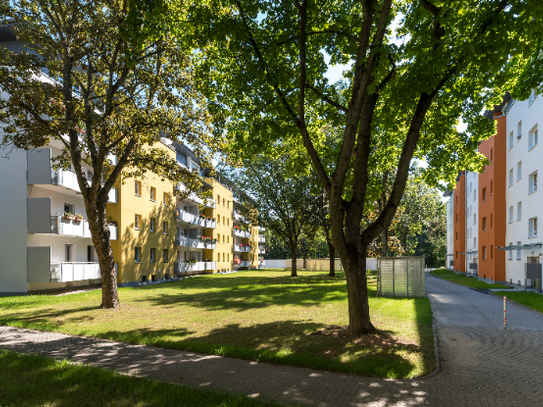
(500, 222)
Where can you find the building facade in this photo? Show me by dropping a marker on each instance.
(501, 218)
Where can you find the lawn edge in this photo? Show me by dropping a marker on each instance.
(518, 303)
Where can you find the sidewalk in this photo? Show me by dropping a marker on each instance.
(481, 364)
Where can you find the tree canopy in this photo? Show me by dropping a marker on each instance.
(416, 69)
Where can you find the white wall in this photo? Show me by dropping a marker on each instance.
(450, 231)
(58, 245)
(472, 217)
(518, 230)
(13, 222)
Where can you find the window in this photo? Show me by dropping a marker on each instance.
(137, 188)
(165, 198)
(532, 97)
(491, 155)
(137, 222)
(484, 223)
(223, 257)
(69, 208)
(152, 255)
(137, 254)
(165, 228)
(491, 220)
(532, 227)
(519, 211)
(510, 177)
(510, 251)
(165, 256)
(475, 243)
(511, 140)
(470, 189)
(491, 187)
(484, 252)
(519, 251)
(152, 194)
(456, 255)
(519, 170)
(533, 137)
(223, 222)
(152, 224)
(491, 251)
(182, 158)
(456, 203)
(483, 194)
(218, 257)
(474, 195)
(519, 130)
(223, 202)
(456, 235)
(533, 182)
(474, 218)
(219, 199)
(510, 214)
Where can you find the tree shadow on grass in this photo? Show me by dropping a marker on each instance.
(245, 293)
(306, 344)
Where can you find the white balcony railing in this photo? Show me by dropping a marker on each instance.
(192, 196)
(242, 234)
(240, 218)
(185, 266)
(211, 246)
(210, 265)
(210, 203)
(245, 264)
(237, 248)
(77, 271)
(62, 226)
(261, 229)
(185, 241)
(193, 219)
(245, 249)
(261, 251)
(261, 239)
(68, 180)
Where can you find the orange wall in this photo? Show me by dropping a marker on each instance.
(493, 208)
(460, 223)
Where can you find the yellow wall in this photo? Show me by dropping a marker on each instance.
(223, 253)
(130, 237)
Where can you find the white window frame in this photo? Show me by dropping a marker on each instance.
(532, 227)
(510, 214)
(519, 171)
(532, 185)
(519, 211)
(533, 137)
(519, 130)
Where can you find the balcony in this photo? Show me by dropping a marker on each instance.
(240, 218)
(261, 239)
(210, 265)
(69, 227)
(241, 233)
(40, 172)
(185, 241)
(188, 267)
(245, 264)
(261, 250)
(261, 229)
(77, 271)
(193, 219)
(211, 246)
(210, 203)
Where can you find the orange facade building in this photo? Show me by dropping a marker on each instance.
(492, 207)
(459, 228)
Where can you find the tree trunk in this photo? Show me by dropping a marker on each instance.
(100, 236)
(332, 251)
(359, 312)
(384, 239)
(294, 272)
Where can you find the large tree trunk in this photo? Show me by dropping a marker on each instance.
(294, 271)
(100, 236)
(359, 311)
(332, 251)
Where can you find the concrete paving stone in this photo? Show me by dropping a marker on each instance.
(481, 363)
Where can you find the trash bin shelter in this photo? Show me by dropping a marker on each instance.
(401, 277)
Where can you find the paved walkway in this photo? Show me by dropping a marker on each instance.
(481, 364)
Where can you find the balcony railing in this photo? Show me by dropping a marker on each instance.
(68, 180)
(242, 234)
(261, 229)
(76, 271)
(245, 264)
(62, 226)
(211, 246)
(210, 265)
(240, 218)
(261, 251)
(186, 267)
(193, 219)
(185, 241)
(261, 239)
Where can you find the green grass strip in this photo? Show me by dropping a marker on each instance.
(530, 300)
(31, 380)
(465, 280)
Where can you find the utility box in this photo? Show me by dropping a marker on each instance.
(401, 277)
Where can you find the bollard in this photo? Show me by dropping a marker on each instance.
(504, 312)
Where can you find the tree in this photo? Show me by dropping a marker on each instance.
(82, 82)
(284, 203)
(416, 68)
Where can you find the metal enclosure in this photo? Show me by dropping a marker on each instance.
(401, 277)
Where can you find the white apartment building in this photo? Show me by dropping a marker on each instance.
(472, 216)
(524, 202)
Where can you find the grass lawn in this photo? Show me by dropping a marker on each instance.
(31, 380)
(531, 300)
(258, 315)
(465, 280)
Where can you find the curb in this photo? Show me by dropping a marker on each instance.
(436, 355)
(517, 303)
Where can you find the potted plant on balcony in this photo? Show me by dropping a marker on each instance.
(78, 217)
(68, 216)
(237, 261)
